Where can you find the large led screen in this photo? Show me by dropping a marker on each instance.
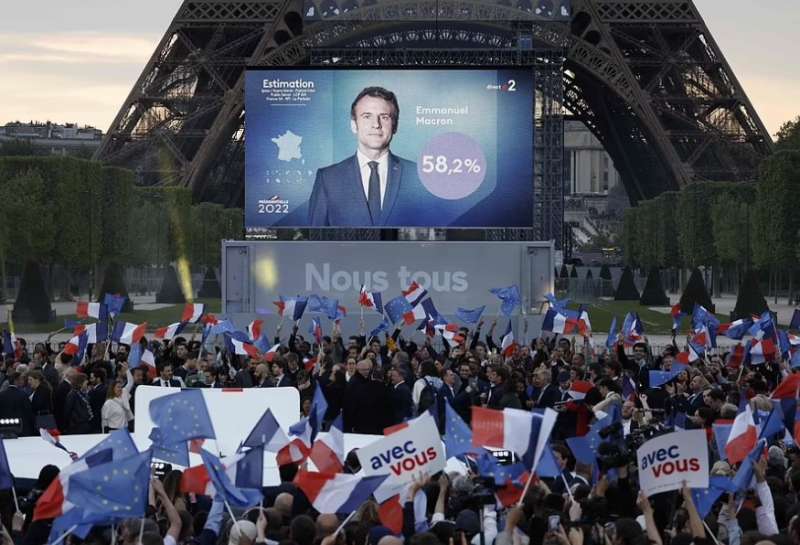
(389, 148)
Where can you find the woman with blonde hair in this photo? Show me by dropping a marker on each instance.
(116, 411)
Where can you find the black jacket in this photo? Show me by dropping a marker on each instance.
(365, 406)
(78, 413)
(400, 402)
(42, 401)
(14, 403)
(59, 401)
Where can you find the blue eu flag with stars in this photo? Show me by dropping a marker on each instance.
(114, 490)
(238, 497)
(457, 435)
(120, 442)
(179, 417)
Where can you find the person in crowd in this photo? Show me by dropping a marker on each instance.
(116, 411)
(166, 377)
(41, 399)
(77, 408)
(15, 405)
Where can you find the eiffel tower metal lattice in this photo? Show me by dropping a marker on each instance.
(646, 76)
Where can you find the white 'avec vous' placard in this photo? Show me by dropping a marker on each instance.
(667, 461)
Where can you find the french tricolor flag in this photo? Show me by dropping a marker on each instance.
(244, 470)
(54, 438)
(299, 445)
(241, 347)
(316, 330)
(338, 493)
(762, 351)
(743, 436)
(507, 344)
(370, 299)
(450, 332)
(292, 308)
(128, 333)
(53, 502)
(554, 321)
(579, 388)
(736, 356)
(736, 329)
(327, 452)
(254, 329)
(523, 432)
(73, 346)
(677, 316)
(414, 294)
(788, 388)
(584, 325)
(192, 312)
(687, 357)
(168, 333)
(91, 310)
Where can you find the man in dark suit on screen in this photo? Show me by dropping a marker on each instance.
(374, 187)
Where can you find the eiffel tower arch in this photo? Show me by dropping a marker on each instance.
(645, 76)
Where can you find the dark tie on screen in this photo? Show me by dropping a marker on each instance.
(374, 195)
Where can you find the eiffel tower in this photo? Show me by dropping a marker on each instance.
(645, 76)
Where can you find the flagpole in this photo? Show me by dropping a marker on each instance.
(233, 517)
(525, 489)
(141, 531)
(14, 494)
(345, 521)
(713, 537)
(65, 534)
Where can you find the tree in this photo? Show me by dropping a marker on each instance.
(33, 301)
(776, 222)
(19, 148)
(210, 287)
(653, 294)
(695, 236)
(749, 301)
(27, 225)
(170, 291)
(695, 293)
(626, 289)
(788, 137)
(114, 283)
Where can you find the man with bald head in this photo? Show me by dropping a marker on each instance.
(366, 402)
(327, 523)
(283, 503)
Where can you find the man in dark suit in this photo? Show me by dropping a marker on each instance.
(374, 186)
(279, 376)
(166, 378)
(547, 394)
(98, 388)
(14, 403)
(365, 408)
(60, 397)
(399, 397)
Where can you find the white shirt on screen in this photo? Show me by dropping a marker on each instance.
(383, 172)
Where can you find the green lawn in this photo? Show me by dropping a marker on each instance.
(655, 323)
(154, 318)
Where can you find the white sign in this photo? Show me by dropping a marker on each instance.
(233, 412)
(668, 461)
(407, 453)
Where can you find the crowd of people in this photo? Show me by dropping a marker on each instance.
(378, 382)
